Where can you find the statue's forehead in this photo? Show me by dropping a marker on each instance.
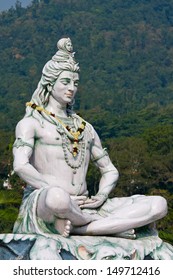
(69, 75)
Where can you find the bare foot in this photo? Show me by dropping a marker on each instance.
(63, 227)
(130, 234)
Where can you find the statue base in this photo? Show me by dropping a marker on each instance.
(55, 247)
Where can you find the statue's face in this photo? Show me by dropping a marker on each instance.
(69, 46)
(65, 87)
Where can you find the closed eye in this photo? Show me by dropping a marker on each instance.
(65, 81)
(76, 83)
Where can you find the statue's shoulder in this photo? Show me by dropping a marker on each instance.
(27, 123)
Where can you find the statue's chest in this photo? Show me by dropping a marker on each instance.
(49, 135)
(52, 135)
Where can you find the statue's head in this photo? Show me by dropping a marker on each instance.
(65, 44)
(62, 61)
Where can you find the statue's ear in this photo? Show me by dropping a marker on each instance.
(49, 88)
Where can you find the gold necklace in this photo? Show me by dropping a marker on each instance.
(75, 134)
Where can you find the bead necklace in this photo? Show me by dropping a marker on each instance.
(74, 136)
(74, 163)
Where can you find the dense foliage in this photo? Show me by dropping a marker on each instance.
(125, 50)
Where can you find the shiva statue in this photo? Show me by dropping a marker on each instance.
(52, 151)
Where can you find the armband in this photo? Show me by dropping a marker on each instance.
(105, 195)
(100, 156)
(20, 143)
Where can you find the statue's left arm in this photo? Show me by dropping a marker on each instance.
(109, 174)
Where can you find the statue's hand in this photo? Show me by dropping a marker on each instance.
(94, 201)
(80, 199)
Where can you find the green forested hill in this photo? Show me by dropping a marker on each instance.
(125, 51)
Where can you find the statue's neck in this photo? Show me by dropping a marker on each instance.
(56, 108)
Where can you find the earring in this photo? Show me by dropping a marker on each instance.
(49, 88)
(72, 102)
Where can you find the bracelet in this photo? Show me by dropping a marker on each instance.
(103, 194)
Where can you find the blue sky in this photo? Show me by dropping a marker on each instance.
(7, 4)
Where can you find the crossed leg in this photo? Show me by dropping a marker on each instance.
(55, 205)
(143, 211)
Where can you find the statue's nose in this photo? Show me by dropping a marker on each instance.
(71, 86)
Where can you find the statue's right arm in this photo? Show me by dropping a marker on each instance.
(22, 151)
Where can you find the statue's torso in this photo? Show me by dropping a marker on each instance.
(50, 149)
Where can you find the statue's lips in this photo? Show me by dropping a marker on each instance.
(69, 95)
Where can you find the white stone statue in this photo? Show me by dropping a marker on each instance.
(52, 151)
